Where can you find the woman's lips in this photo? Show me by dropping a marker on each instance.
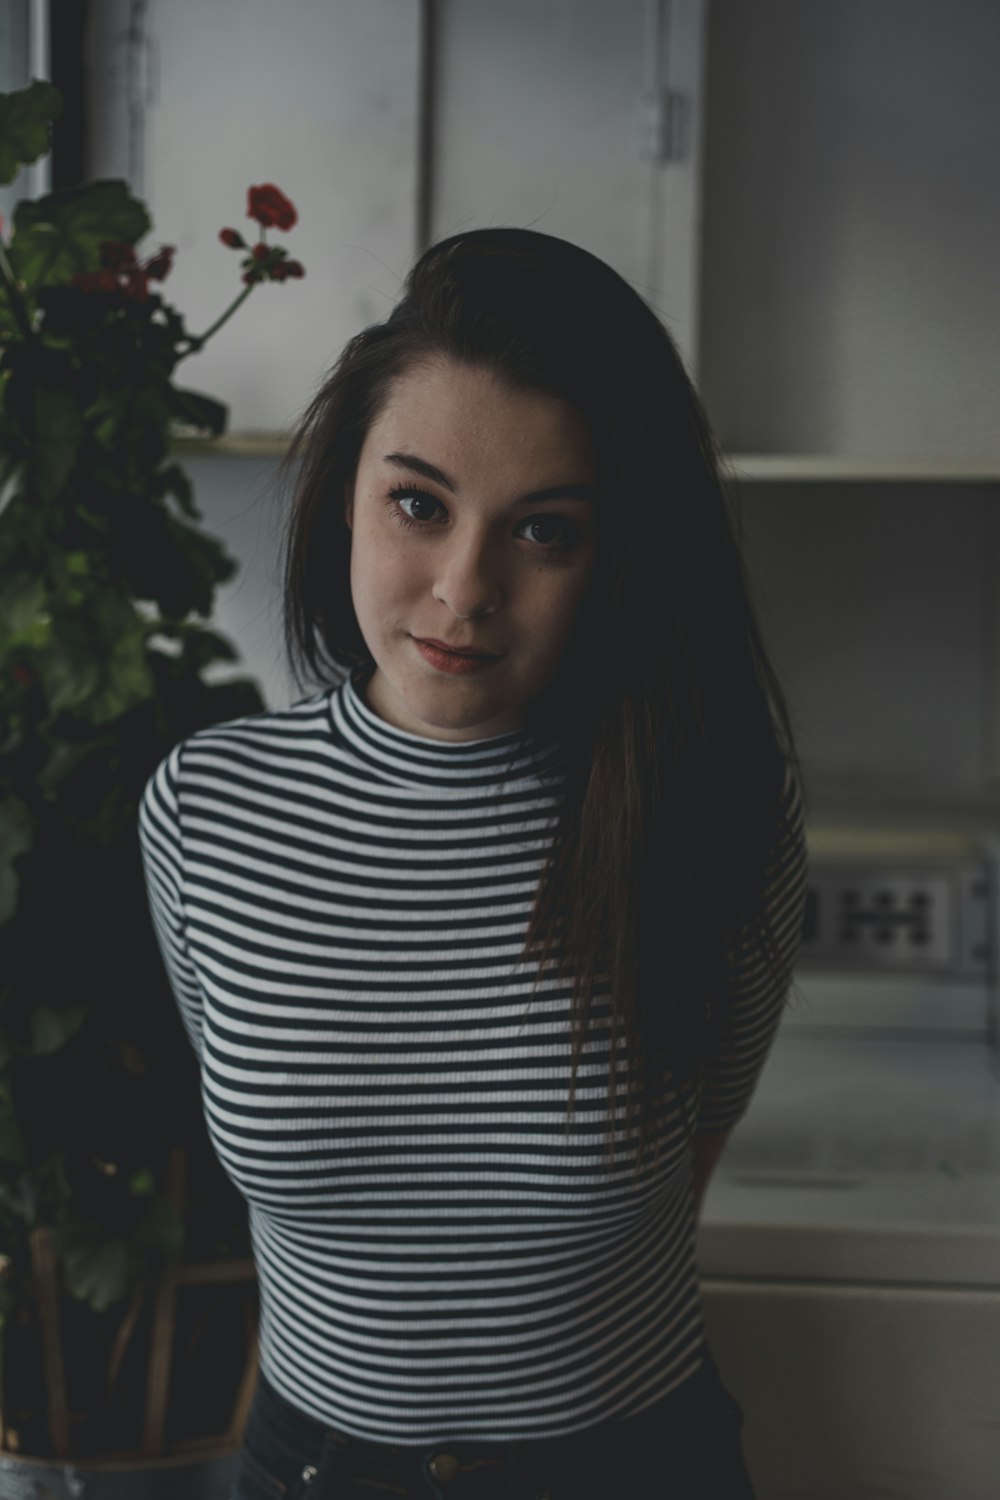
(452, 661)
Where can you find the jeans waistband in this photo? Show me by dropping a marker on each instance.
(701, 1392)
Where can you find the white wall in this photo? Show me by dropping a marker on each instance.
(239, 502)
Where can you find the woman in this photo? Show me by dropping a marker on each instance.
(482, 949)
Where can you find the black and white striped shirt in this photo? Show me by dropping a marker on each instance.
(340, 905)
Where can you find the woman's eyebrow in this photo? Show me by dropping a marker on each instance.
(438, 476)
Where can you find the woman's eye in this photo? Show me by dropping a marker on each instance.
(549, 533)
(546, 524)
(413, 497)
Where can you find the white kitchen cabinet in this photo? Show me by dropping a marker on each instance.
(800, 191)
(386, 120)
(849, 1241)
(850, 233)
(816, 235)
(854, 1391)
(581, 119)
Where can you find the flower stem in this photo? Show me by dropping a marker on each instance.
(197, 340)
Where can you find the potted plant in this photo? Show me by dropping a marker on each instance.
(127, 1293)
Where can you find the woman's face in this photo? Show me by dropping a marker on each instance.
(463, 555)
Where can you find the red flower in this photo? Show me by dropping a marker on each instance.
(269, 206)
(287, 268)
(137, 288)
(160, 265)
(96, 281)
(232, 238)
(260, 252)
(23, 675)
(116, 255)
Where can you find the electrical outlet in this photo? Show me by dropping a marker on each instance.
(928, 919)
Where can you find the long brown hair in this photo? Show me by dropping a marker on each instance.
(677, 730)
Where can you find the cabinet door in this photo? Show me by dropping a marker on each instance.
(580, 119)
(856, 1391)
(852, 229)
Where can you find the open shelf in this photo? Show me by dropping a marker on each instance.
(842, 468)
(234, 444)
(739, 466)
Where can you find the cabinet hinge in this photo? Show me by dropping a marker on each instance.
(660, 125)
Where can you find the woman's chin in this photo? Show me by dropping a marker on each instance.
(447, 707)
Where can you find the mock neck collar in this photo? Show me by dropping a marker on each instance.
(402, 757)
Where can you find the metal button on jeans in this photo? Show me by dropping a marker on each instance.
(444, 1466)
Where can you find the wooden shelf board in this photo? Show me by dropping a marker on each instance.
(838, 467)
(235, 444)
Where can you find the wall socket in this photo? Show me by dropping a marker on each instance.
(928, 919)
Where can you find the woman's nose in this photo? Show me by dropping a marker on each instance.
(468, 580)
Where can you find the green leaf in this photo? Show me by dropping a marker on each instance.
(161, 1230)
(25, 119)
(146, 433)
(108, 415)
(95, 663)
(15, 1199)
(129, 682)
(61, 764)
(181, 567)
(142, 1183)
(59, 429)
(52, 1029)
(59, 235)
(99, 1273)
(128, 678)
(16, 837)
(195, 410)
(12, 470)
(204, 646)
(173, 481)
(23, 602)
(69, 673)
(97, 522)
(11, 1140)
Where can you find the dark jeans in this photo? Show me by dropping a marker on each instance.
(686, 1447)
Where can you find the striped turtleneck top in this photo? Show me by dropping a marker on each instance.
(340, 905)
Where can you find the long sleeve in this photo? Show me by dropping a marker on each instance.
(758, 998)
(160, 843)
